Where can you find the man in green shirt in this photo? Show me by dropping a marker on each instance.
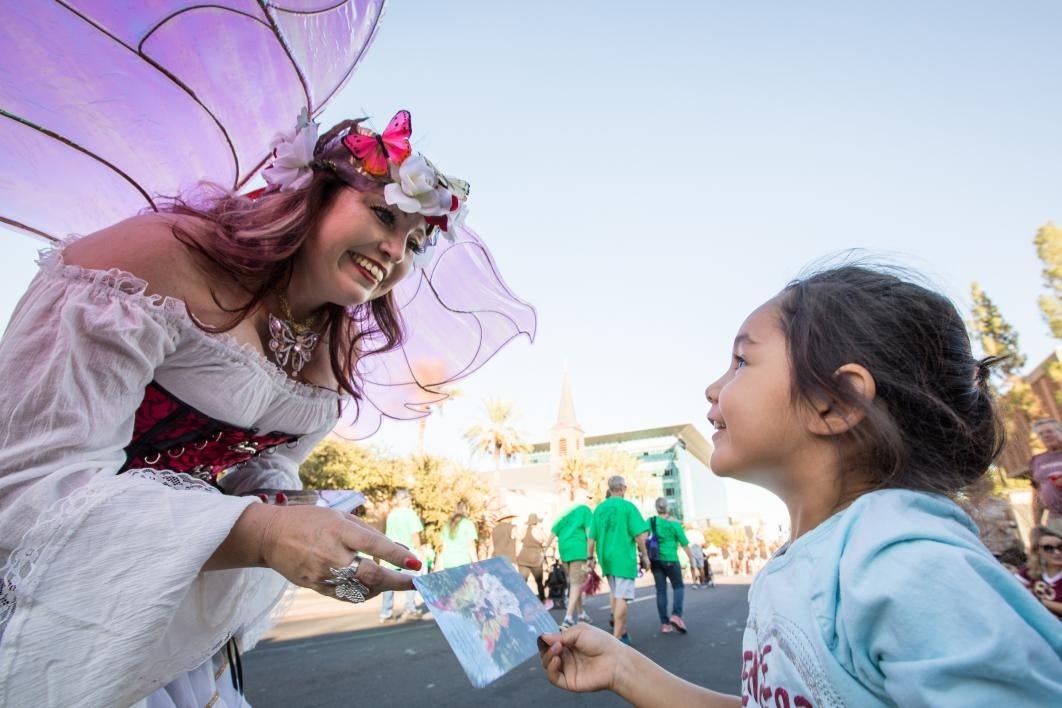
(666, 568)
(403, 526)
(618, 532)
(570, 531)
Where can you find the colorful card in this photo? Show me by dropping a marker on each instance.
(488, 614)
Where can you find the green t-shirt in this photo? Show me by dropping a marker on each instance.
(614, 526)
(570, 531)
(402, 523)
(671, 537)
(455, 548)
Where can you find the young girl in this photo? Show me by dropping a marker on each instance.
(1043, 574)
(853, 395)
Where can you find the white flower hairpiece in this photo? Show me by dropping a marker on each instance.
(292, 155)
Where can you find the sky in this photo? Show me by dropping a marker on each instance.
(646, 174)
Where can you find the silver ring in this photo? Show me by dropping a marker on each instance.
(352, 591)
(348, 587)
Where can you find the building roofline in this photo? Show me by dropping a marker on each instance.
(695, 442)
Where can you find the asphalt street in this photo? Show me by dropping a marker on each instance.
(348, 658)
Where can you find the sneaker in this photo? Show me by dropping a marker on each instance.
(666, 629)
(677, 623)
(414, 614)
(568, 622)
(583, 617)
(626, 639)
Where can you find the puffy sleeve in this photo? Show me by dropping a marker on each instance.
(931, 622)
(101, 572)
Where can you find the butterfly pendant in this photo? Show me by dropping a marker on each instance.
(287, 344)
(375, 150)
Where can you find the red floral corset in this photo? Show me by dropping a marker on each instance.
(171, 435)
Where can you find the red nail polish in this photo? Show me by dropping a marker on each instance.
(282, 498)
(412, 564)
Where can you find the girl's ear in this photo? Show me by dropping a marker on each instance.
(834, 417)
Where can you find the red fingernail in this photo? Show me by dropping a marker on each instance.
(412, 564)
(282, 498)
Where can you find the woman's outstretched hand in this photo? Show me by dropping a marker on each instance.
(303, 543)
(582, 658)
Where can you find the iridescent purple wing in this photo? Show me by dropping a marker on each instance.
(459, 313)
(107, 104)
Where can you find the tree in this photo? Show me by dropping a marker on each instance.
(996, 336)
(1017, 403)
(340, 464)
(609, 461)
(497, 435)
(1048, 242)
(438, 485)
(572, 475)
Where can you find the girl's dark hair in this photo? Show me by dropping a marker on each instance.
(255, 243)
(932, 425)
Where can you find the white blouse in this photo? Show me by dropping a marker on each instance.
(101, 577)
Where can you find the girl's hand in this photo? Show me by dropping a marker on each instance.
(302, 543)
(582, 658)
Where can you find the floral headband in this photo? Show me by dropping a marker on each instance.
(365, 159)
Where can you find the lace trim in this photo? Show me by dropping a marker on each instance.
(134, 290)
(174, 480)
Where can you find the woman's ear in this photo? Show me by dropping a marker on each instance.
(834, 417)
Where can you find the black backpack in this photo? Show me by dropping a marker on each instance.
(652, 544)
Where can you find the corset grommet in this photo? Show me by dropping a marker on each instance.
(178, 453)
(150, 460)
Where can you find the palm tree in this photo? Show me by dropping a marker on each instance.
(497, 436)
(572, 475)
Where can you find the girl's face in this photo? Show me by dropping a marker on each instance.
(758, 429)
(1050, 550)
(362, 248)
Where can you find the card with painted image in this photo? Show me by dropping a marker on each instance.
(488, 614)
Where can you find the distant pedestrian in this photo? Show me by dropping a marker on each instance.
(1046, 472)
(666, 568)
(571, 530)
(698, 564)
(459, 538)
(402, 526)
(532, 554)
(503, 539)
(617, 533)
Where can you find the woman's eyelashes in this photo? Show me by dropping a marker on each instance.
(384, 215)
(739, 361)
(415, 243)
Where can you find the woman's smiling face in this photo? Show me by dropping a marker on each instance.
(360, 250)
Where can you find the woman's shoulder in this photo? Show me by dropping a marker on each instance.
(146, 247)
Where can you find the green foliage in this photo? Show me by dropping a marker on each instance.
(339, 464)
(438, 485)
(995, 335)
(717, 536)
(435, 484)
(497, 435)
(601, 464)
(1048, 242)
